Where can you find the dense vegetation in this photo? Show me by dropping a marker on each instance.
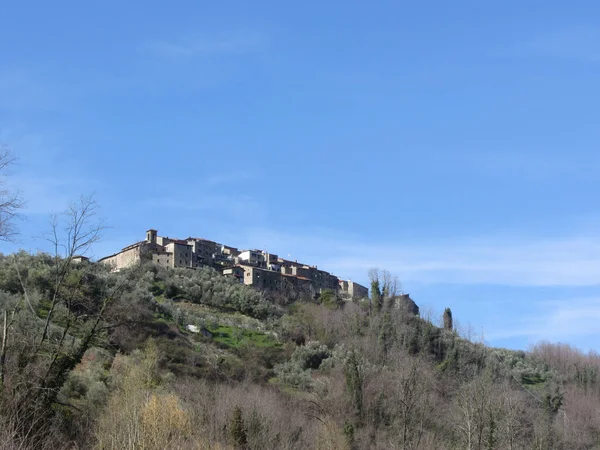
(160, 358)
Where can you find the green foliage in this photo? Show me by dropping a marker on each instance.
(553, 398)
(206, 286)
(349, 433)
(354, 371)
(297, 372)
(376, 297)
(311, 356)
(237, 429)
(172, 291)
(357, 381)
(235, 337)
(330, 299)
(386, 335)
(448, 323)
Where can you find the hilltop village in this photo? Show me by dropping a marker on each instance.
(257, 268)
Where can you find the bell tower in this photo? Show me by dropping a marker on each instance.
(151, 236)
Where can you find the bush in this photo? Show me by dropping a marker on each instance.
(298, 371)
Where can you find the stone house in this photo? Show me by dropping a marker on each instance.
(353, 290)
(161, 250)
(265, 271)
(236, 271)
(252, 257)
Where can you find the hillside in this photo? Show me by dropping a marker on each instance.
(155, 358)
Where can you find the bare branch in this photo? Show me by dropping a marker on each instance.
(11, 201)
(80, 230)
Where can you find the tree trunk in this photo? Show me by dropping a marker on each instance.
(3, 349)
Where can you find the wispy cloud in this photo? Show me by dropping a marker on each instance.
(579, 43)
(467, 274)
(198, 46)
(504, 260)
(554, 321)
(220, 194)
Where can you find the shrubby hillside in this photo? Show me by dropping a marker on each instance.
(154, 358)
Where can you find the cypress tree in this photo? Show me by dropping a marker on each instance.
(375, 295)
(448, 324)
(354, 381)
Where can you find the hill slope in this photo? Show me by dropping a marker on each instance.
(156, 358)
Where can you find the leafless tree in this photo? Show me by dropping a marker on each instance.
(10, 204)
(71, 234)
(472, 408)
(411, 395)
(374, 274)
(11, 200)
(5, 326)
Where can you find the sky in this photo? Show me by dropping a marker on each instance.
(451, 143)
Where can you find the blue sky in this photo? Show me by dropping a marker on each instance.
(453, 143)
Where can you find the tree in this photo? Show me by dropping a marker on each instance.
(376, 297)
(330, 299)
(72, 236)
(386, 335)
(410, 397)
(476, 413)
(448, 324)
(237, 429)
(46, 337)
(354, 371)
(385, 288)
(10, 200)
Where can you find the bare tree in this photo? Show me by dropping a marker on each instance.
(475, 414)
(10, 204)
(72, 236)
(10, 200)
(410, 395)
(6, 325)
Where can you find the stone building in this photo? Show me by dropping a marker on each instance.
(204, 251)
(353, 290)
(260, 278)
(229, 251)
(161, 250)
(236, 271)
(406, 303)
(128, 256)
(263, 270)
(252, 257)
